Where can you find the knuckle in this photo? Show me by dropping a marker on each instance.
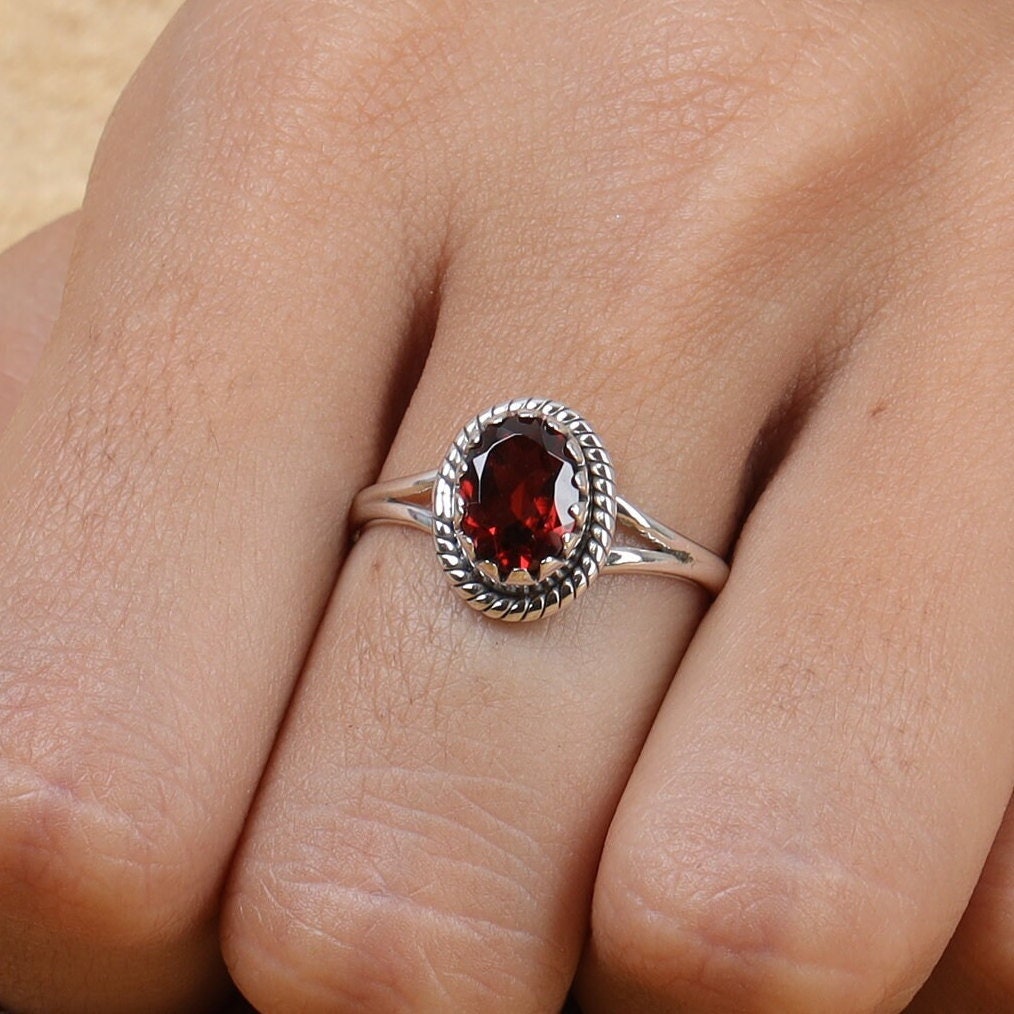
(274, 118)
(296, 939)
(306, 69)
(97, 819)
(78, 867)
(698, 75)
(288, 946)
(762, 936)
(385, 907)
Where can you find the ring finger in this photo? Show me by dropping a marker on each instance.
(427, 834)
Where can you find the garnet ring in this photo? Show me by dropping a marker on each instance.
(523, 511)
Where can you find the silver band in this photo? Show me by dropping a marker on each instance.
(523, 511)
(407, 502)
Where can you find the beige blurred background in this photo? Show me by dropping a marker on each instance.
(62, 65)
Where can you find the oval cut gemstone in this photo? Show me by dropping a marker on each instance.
(517, 492)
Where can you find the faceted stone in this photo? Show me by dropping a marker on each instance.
(518, 490)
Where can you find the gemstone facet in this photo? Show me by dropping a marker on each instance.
(519, 499)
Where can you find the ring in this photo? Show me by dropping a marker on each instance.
(523, 511)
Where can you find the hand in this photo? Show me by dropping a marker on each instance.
(766, 247)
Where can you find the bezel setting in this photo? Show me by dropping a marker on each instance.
(523, 596)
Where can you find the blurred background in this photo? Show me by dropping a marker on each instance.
(62, 65)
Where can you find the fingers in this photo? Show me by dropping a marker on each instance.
(236, 330)
(32, 276)
(820, 789)
(427, 833)
(265, 230)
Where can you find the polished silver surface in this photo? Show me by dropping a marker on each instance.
(431, 502)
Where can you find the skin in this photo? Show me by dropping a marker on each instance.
(766, 247)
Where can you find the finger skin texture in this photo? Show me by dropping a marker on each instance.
(427, 834)
(815, 802)
(746, 872)
(32, 277)
(237, 326)
(765, 247)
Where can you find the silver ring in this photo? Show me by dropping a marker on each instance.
(523, 511)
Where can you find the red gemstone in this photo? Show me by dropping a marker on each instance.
(518, 489)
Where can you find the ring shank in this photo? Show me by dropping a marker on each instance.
(406, 501)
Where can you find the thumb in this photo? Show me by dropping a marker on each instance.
(32, 276)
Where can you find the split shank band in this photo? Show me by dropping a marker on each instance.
(523, 511)
(398, 502)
